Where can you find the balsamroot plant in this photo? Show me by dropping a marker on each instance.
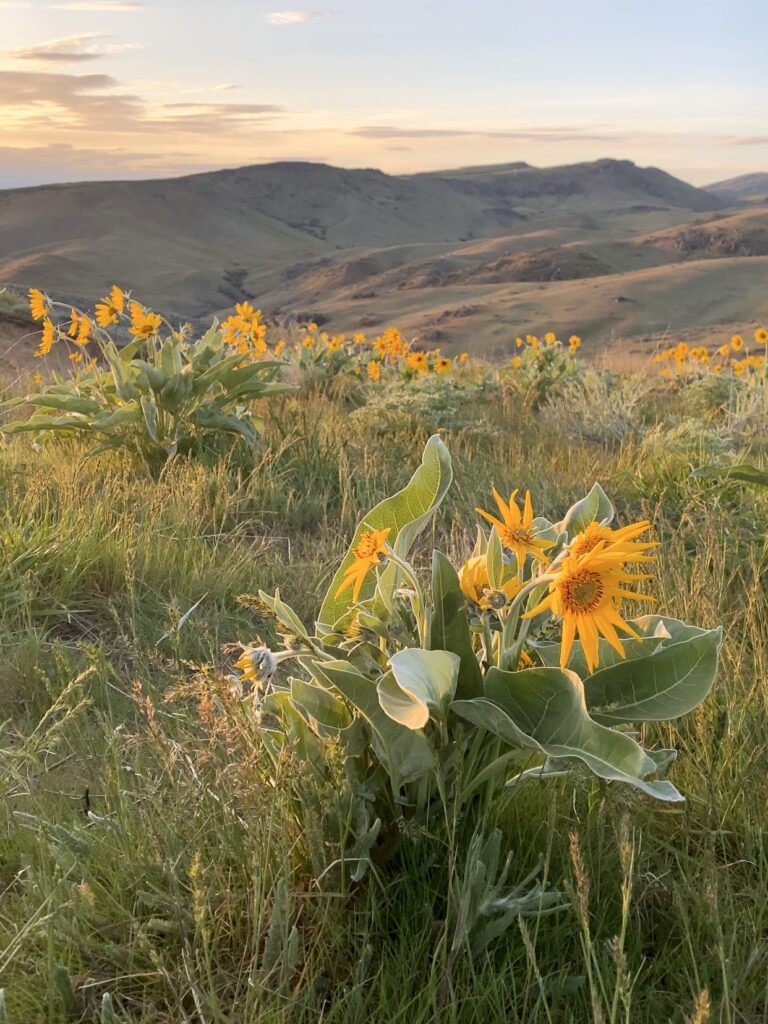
(422, 701)
(163, 393)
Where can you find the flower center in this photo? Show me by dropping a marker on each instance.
(368, 546)
(581, 592)
(514, 537)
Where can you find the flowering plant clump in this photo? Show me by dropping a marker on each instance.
(732, 357)
(163, 393)
(541, 365)
(441, 696)
(385, 358)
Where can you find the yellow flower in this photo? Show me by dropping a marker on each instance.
(38, 304)
(443, 365)
(359, 338)
(257, 665)
(622, 541)
(47, 338)
(517, 362)
(724, 350)
(308, 341)
(738, 367)
(474, 583)
(574, 343)
(737, 342)
(76, 357)
(515, 528)
(279, 348)
(38, 378)
(417, 361)
(111, 306)
(550, 337)
(464, 357)
(717, 368)
(761, 336)
(371, 546)
(519, 342)
(143, 322)
(374, 370)
(74, 324)
(312, 327)
(83, 331)
(586, 594)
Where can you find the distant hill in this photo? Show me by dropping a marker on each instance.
(746, 186)
(465, 257)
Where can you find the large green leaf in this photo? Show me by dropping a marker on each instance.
(419, 682)
(596, 507)
(543, 709)
(406, 514)
(449, 628)
(749, 474)
(660, 686)
(405, 755)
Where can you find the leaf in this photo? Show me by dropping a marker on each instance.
(543, 709)
(324, 712)
(658, 687)
(406, 514)
(494, 561)
(405, 755)
(596, 507)
(209, 419)
(149, 411)
(419, 682)
(449, 628)
(749, 474)
(65, 403)
(284, 614)
(44, 422)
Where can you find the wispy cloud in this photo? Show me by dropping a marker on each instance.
(67, 50)
(293, 17)
(97, 5)
(534, 134)
(749, 140)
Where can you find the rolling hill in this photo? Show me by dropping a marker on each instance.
(746, 186)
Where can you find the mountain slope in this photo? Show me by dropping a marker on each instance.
(746, 186)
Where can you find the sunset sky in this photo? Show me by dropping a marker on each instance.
(107, 89)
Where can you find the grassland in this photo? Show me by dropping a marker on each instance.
(145, 851)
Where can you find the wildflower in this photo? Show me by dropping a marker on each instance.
(761, 336)
(737, 342)
(717, 368)
(517, 362)
(374, 370)
(47, 338)
(621, 541)
(110, 308)
(464, 357)
(367, 553)
(312, 327)
(74, 323)
(359, 338)
(515, 528)
(417, 361)
(76, 357)
(257, 665)
(738, 367)
(307, 341)
(279, 347)
(38, 304)
(586, 594)
(574, 343)
(550, 338)
(519, 342)
(724, 350)
(443, 365)
(144, 324)
(83, 331)
(474, 583)
(38, 378)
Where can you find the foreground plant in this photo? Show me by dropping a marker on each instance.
(424, 704)
(161, 394)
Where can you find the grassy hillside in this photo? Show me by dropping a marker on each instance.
(148, 853)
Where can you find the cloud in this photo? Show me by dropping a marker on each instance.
(555, 134)
(293, 17)
(749, 140)
(97, 5)
(67, 50)
(40, 100)
(13, 5)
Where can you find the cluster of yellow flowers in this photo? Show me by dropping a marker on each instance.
(246, 332)
(731, 357)
(585, 585)
(532, 348)
(78, 328)
(387, 353)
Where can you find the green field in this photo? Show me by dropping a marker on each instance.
(149, 850)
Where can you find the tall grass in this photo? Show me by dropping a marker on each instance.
(151, 870)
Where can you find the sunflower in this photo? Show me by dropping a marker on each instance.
(623, 541)
(47, 338)
(586, 593)
(443, 365)
(143, 323)
(373, 369)
(38, 304)
(515, 527)
(257, 666)
(371, 546)
(474, 583)
(111, 306)
(761, 336)
(737, 342)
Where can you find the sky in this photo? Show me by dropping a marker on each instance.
(94, 89)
